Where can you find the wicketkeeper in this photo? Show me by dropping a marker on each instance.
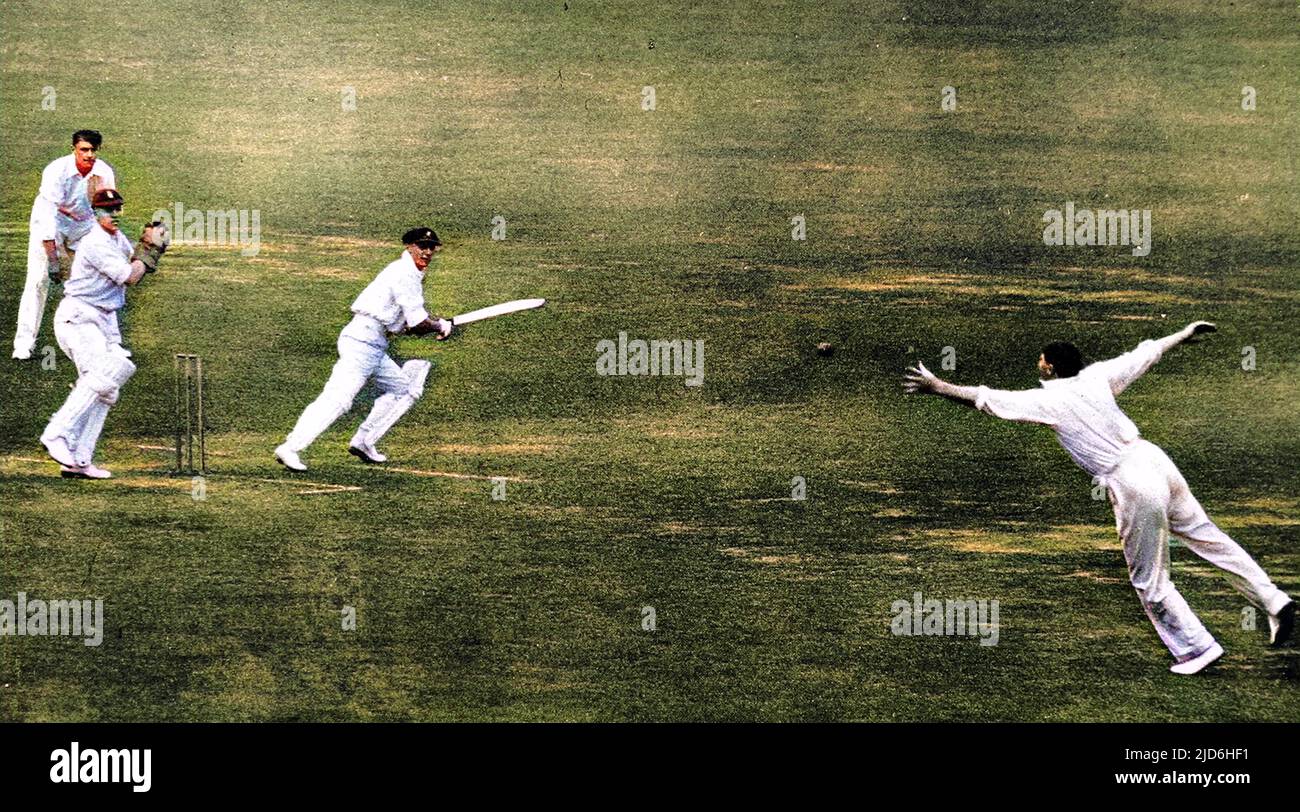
(1150, 497)
(391, 304)
(85, 325)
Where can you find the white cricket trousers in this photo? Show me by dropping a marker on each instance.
(31, 308)
(359, 362)
(1152, 500)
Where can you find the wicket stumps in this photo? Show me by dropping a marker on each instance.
(189, 414)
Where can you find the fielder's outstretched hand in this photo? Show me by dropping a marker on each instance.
(919, 380)
(1199, 327)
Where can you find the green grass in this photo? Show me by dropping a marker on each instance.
(923, 232)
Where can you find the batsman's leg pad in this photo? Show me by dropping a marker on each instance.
(387, 411)
(397, 401)
(416, 371)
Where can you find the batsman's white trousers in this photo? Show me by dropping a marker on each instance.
(1152, 500)
(358, 363)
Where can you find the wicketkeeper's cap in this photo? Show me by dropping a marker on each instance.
(107, 199)
(422, 236)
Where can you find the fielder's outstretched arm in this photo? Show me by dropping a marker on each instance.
(1194, 329)
(1124, 369)
(921, 381)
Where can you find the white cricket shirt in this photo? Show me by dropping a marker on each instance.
(63, 185)
(1082, 409)
(391, 303)
(100, 271)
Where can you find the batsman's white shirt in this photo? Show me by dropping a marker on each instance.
(62, 185)
(1081, 409)
(391, 303)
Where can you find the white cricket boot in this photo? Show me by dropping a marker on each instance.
(1199, 662)
(364, 450)
(90, 471)
(289, 458)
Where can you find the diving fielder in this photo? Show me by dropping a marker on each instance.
(85, 325)
(61, 217)
(1149, 495)
(392, 304)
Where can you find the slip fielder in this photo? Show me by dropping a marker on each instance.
(1149, 495)
(61, 217)
(85, 325)
(391, 304)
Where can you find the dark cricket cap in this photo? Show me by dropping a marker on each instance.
(107, 199)
(421, 236)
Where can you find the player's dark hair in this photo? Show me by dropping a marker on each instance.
(91, 137)
(1064, 358)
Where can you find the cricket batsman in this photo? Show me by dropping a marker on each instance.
(1150, 497)
(391, 304)
(85, 325)
(61, 217)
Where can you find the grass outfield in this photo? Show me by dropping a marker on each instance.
(924, 232)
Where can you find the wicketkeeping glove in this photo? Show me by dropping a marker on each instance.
(153, 243)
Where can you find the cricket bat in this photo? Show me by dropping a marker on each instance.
(497, 310)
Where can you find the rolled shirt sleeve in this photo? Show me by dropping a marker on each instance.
(1024, 406)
